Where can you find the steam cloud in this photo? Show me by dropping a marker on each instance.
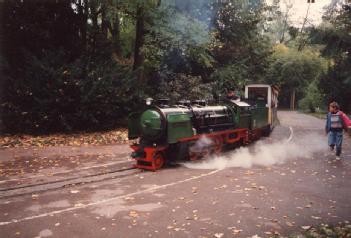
(263, 153)
(201, 144)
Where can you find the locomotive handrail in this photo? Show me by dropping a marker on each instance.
(211, 134)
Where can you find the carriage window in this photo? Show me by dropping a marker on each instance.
(258, 93)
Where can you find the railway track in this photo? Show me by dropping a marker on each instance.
(39, 176)
(63, 181)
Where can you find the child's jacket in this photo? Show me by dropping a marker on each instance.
(336, 121)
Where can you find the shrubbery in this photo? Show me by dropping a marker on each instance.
(181, 86)
(83, 95)
(314, 100)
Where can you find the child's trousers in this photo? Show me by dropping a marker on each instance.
(335, 139)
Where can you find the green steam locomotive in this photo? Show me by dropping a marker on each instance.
(192, 130)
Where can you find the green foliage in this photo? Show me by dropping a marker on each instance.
(181, 86)
(240, 43)
(177, 42)
(326, 230)
(314, 100)
(336, 34)
(55, 97)
(59, 75)
(229, 52)
(276, 25)
(230, 77)
(36, 26)
(177, 54)
(336, 84)
(295, 69)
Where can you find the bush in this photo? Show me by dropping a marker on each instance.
(181, 86)
(229, 77)
(50, 96)
(313, 100)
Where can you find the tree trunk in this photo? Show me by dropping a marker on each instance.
(2, 41)
(139, 38)
(83, 16)
(303, 41)
(94, 18)
(292, 99)
(116, 36)
(104, 21)
(285, 26)
(288, 6)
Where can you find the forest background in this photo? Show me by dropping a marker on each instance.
(84, 65)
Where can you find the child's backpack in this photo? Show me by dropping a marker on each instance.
(345, 119)
(347, 122)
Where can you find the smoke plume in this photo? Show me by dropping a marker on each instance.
(264, 153)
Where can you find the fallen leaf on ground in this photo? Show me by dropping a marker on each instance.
(35, 196)
(133, 214)
(77, 139)
(289, 224)
(218, 235)
(237, 231)
(129, 198)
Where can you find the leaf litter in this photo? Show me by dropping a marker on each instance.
(119, 136)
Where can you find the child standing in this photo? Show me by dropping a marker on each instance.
(334, 127)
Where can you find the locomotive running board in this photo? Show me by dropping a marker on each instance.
(226, 136)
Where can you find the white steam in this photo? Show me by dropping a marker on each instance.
(200, 145)
(264, 153)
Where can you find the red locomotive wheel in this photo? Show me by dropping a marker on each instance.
(218, 145)
(193, 156)
(158, 161)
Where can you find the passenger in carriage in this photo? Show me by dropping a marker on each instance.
(231, 95)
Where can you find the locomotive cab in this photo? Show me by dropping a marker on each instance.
(242, 113)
